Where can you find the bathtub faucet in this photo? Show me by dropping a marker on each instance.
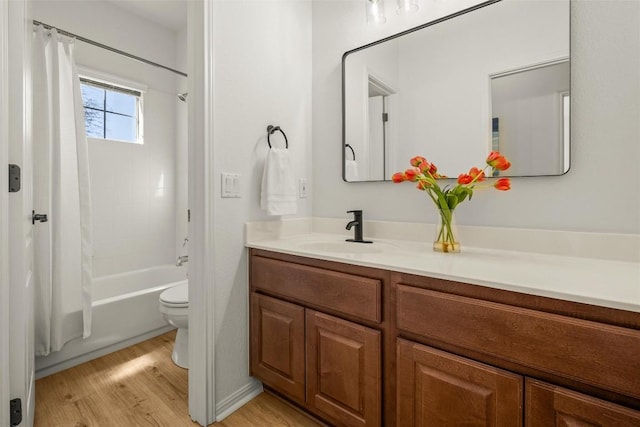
(182, 259)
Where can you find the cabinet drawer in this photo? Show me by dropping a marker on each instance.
(548, 405)
(338, 292)
(598, 354)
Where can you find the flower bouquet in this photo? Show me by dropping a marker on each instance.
(446, 198)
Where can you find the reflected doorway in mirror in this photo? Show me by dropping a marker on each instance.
(532, 103)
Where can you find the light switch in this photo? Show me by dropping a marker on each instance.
(230, 185)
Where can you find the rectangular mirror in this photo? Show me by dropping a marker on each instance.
(492, 77)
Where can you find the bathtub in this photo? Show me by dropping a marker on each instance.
(125, 312)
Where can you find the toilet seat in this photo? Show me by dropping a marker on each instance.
(176, 296)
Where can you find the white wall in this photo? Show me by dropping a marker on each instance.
(262, 77)
(181, 155)
(133, 186)
(601, 193)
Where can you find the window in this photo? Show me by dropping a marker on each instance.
(111, 112)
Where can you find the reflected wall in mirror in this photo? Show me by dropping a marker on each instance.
(496, 76)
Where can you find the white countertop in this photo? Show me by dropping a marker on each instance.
(609, 283)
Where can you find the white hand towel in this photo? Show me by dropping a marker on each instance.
(278, 195)
(351, 170)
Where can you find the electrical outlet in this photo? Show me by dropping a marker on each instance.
(302, 188)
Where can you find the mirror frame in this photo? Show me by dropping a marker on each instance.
(481, 5)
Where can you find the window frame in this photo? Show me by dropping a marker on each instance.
(121, 85)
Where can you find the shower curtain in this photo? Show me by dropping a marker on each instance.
(62, 256)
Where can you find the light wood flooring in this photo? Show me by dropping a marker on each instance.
(140, 386)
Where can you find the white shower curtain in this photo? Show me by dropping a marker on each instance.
(62, 259)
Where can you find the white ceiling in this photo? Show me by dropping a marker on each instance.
(171, 14)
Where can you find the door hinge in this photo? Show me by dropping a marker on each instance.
(188, 215)
(385, 117)
(15, 412)
(14, 178)
(38, 217)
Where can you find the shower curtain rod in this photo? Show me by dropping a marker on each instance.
(109, 48)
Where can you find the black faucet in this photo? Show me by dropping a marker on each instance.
(357, 223)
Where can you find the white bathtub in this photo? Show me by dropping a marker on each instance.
(125, 312)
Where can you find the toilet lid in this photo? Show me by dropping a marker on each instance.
(176, 295)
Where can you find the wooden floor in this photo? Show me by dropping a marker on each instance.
(265, 411)
(140, 386)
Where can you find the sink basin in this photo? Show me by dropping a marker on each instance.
(342, 247)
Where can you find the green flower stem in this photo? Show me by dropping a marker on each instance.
(445, 234)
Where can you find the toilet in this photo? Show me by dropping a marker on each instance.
(174, 306)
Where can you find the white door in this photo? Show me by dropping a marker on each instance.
(4, 214)
(376, 137)
(21, 338)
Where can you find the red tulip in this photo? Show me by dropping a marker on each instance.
(423, 185)
(463, 179)
(425, 174)
(503, 184)
(498, 161)
(417, 161)
(411, 174)
(477, 174)
(398, 177)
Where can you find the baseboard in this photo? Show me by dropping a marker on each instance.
(295, 407)
(230, 404)
(70, 363)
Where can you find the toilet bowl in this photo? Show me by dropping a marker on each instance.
(174, 306)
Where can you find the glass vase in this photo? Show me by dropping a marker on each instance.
(446, 233)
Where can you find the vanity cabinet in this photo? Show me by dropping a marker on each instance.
(329, 365)
(437, 388)
(342, 380)
(468, 355)
(360, 346)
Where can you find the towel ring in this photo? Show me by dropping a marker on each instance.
(271, 129)
(352, 150)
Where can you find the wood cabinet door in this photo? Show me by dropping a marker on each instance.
(277, 345)
(548, 405)
(439, 389)
(343, 370)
